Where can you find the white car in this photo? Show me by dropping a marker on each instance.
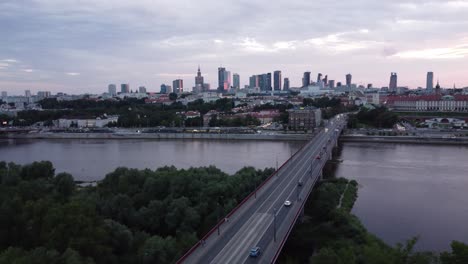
(287, 203)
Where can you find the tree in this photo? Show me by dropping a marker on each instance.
(64, 185)
(172, 96)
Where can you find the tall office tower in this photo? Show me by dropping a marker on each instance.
(262, 81)
(331, 84)
(112, 89)
(27, 93)
(349, 78)
(221, 76)
(178, 86)
(393, 82)
(268, 82)
(430, 82)
(124, 88)
(236, 80)
(142, 89)
(306, 79)
(199, 79)
(277, 80)
(325, 80)
(227, 81)
(286, 84)
(319, 77)
(338, 84)
(369, 85)
(4, 94)
(254, 81)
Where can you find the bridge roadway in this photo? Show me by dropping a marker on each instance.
(262, 219)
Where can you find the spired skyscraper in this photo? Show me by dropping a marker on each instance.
(199, 81)
(392, 87)
(277, 80)
(430, 82)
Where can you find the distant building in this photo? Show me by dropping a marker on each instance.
(331, 84)
(236, 81)
(429, 103)
(90, 123)
(199, 81)
(430, 82)
(166, 89)
(125, 88)
(304, 118)
(27, 93)
(437, 89)
(4, 94)
(319, 77)
(393, 82)
(142, 89)
(369, 85)
(254, 81)
(112, 89)
(338, 84)
(277, 80)
(178, 86)
(286, 84)
(227, 81)
(306, 79)
(221, 79)
(43, 94)
(349, 78)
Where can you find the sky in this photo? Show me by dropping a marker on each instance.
(78, 46)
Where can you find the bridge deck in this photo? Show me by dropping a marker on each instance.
(262, 219)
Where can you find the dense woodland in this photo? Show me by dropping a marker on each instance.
(132, 216)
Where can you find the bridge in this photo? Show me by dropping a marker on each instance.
(263, 219)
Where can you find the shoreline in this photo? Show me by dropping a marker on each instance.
(114, 136)
(406, 140)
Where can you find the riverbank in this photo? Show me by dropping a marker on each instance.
(405, 139)
(263, 136)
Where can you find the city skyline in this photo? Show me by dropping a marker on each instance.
(61, 46)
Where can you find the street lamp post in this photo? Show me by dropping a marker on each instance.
(274, 224)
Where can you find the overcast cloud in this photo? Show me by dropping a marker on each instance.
(80, 46)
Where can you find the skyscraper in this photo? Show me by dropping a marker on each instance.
(199, 80)
(349, 78)
(112, 89)
(253, 81)
(268, 82)
(178, 86)
(236, 81)
(306, 79)
(393, 82)
(4, 94)
(221, 76)
(124, 88)
(430, 82)
(286, 84)
(141, 89)
(319, 77)
(331, 84)
(27, 93)
(227, 80)
(277, 80)
(325, 80)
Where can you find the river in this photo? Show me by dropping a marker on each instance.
(410, 190)
(90, 160)
(404, 190)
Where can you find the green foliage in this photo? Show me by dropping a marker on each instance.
(248, 120)
(131, 216)
(378, 117)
